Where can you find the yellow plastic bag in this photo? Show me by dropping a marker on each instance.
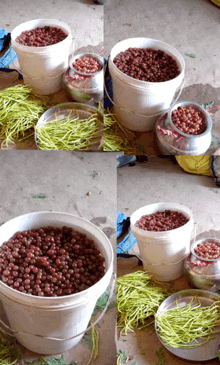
(195, 164)
(216, 2)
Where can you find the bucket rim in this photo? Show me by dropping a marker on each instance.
(44, 49)
(7, 290)
(180, 60)
(176, 206)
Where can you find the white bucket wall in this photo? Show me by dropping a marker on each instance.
(42, 67)
(59, 317)
(138, 104)
(163, 253)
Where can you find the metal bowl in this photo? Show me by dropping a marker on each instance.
(74, 111)
(84, 87)
(204, 352)
(203, 273)
(173, 141)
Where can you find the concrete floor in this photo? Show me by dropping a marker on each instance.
(83, 184)
(192, 27)
(161, 180)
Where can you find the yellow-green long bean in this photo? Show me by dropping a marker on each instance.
(183, 326)
(69, 134)
(138, 298)
(113, 141)
(20, 110)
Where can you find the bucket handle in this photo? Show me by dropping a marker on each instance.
(143, 115)
(112, 286)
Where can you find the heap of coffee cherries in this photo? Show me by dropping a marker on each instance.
(162, 221)
(50, 262)
(147, 64)
(87, 64)
(189, 120)
(208, 249)
(41, 36)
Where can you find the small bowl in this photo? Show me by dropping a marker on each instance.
(173, 141)
(84, 87)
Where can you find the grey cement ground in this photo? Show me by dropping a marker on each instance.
(83, 184)
(160, 180)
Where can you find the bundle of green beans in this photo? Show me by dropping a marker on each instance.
(181, 327)
(113, 141)
(69, 134)
(20, 110)
(138, 299)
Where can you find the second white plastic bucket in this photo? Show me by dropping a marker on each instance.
(138, 104)
(163, 253)
(60, 318)
(42, 67)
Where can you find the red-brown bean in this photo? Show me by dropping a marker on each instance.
(162, 221)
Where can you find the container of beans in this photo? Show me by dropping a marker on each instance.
(83, 80)
(202, 265)
(163, 232)
(53, 266)
(146, 74)
(184, 130)
(43, 47)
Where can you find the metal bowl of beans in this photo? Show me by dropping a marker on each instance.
(185, 129)
(83, 80)
(202, 266)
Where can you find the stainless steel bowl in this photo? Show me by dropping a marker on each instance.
(83, 87)
(205, 352)
(173, 141)
(74, 111)
(203, 273)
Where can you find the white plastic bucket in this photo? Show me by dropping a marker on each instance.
(37, 318)
(163, 253)
(138, 104)
(42, 67)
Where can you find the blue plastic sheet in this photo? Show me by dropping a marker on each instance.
(122, 223)
(4, 38)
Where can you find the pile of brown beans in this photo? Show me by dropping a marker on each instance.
(41, 36)
(189, 120)
(208, 250)
(147, 64)
(162, 221)
(50, 262)
(87, 64)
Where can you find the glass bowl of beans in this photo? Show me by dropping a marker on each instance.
(184, 129)
(202, 266)
(83, 80)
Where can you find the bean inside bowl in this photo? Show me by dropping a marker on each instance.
(189, 120)
(208, 249)
(88, 64)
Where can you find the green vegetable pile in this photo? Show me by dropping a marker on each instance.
(69, 134)
(180, 326)
(138, 299)
(112, 139)
(20, 110)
